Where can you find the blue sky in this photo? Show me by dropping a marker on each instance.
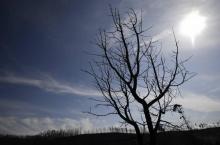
(43, 49)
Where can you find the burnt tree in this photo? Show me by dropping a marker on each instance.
(134, 76)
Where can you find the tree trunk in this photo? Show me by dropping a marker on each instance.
(138, 135)
(153, 138)
(140, 139)
(152, 132)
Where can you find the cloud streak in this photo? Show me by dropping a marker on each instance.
(49, 84)
(199, 103)
(34, 125)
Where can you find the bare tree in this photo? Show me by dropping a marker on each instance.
(134, 76)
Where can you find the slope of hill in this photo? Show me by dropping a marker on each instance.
(209, 136)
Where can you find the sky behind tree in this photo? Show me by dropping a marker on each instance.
(44, 46)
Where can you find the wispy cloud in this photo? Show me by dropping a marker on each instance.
(199, 103)
(48, 83)
(213, 89)
(162, 35)
(35, 125)
(206, 77)
(22, 108)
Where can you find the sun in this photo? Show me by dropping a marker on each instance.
(192, 25)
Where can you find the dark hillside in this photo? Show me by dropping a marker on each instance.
(209, 136)
(85, 139)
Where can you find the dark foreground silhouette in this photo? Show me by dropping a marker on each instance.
(209, 136)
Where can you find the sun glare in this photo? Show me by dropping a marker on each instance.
(192, 25)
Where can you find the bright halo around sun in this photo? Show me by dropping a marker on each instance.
(192, 25)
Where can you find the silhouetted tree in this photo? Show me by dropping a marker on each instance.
(135, 78)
